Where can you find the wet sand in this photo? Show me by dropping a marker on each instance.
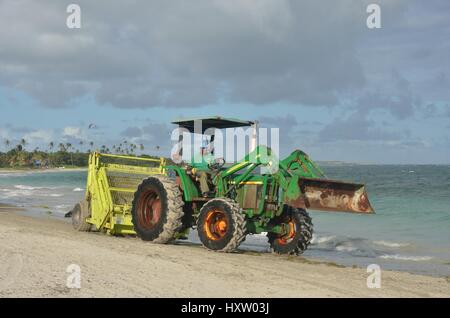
(9, 208)
(35, 254)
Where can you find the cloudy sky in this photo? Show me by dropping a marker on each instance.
(335, 88)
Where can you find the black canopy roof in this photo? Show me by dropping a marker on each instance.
(212, 122)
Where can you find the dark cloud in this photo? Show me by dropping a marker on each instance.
(173, 54)
(421, 53)
(413, 143)
(447, 110)
(159, 53)
(288, 129)
(287, 122)
(355, 128)
(151, 134)
(401, 106)
(132, 132)
(398, 99)
(430, 110)
(157, 131)
(18, 130)
(406, 61)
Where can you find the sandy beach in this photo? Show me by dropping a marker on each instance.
(35, 253)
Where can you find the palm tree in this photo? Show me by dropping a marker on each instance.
(61, 147)
(91, 143)
(7, 143)
(23, 142)
(69, 145)
(141, 146)
(81, 143)
(51, 144)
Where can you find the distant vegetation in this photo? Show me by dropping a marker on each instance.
(58, 155)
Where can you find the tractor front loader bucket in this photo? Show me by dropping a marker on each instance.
(331, 195)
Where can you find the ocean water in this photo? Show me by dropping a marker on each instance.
(43, 192)
(410, 230)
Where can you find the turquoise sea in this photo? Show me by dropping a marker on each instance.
(410, 230)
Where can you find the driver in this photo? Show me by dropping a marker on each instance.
(200, 165)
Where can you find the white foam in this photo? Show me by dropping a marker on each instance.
(391, 244)
(62, 208)
(55, 195)
(407, 258)
(21, 190)
(13, 174)
(26, 187)
(78, 189)
(9, 193)
(343, 248)
(323, 239)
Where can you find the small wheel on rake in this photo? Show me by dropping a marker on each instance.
(80, 213)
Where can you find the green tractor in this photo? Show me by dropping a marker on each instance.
(223, 202)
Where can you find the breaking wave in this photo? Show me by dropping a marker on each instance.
(343, 248)
(21, 190)
(407, 257)
(318, 240)
(391, 244)
(26, 187)
(361, 247)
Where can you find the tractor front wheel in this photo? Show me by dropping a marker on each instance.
(297, 234)
(221, 225)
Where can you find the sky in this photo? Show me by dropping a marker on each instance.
(335, 88)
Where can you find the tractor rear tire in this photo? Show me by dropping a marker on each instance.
(157, 210)
(300, 233)
(221, 225)
(80, 213)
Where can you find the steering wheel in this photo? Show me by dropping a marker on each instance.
(217, 164)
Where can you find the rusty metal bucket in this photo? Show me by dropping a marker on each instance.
(332, 195)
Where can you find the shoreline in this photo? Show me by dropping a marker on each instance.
(10, 208)
(41, 170)
(127, 267)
